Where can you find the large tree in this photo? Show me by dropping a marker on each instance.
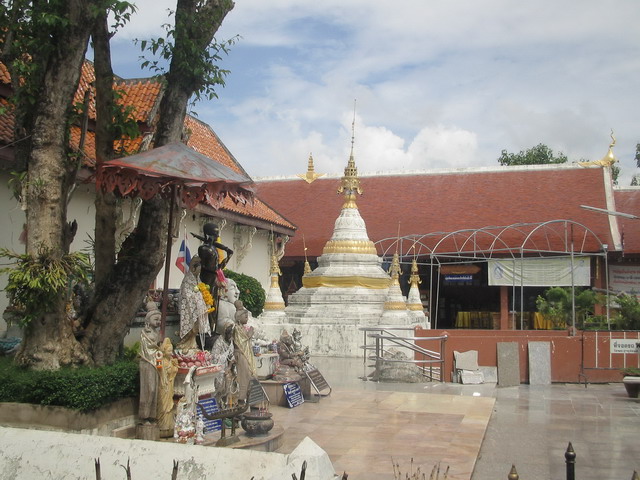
(538, 155)
(43, 45)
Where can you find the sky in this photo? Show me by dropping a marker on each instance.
(435, 84)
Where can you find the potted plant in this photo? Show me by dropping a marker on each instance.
(631, 381)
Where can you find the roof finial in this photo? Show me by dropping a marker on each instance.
(608, 160)
(350, 183)
(311, 175)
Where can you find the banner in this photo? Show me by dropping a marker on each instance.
(540, 272)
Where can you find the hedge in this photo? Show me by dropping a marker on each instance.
(84, 388)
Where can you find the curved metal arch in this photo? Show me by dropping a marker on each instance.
(419, 248)
(472, 234)
(586, 231)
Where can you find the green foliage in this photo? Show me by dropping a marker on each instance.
(555, 304)
(628, 314)
(251, 292)
(36, 282)
(196, 62)
(538, 155)
(131, 353)
(596, 322)
(631, 372)
(84, 389)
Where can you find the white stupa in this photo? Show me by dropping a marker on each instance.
(346, 291)
(414, 302)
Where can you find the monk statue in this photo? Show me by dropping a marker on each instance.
(288, 353)
(298, 347)
(194, 321)
(167, 371)
(147, 410)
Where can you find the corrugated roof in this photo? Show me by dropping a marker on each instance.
(442, 202)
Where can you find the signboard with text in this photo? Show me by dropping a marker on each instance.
(623, 345)
(625, 278)
(293, 392)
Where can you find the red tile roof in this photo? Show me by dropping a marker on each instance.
(144, 96)
(442, 202)
(4, 74)
(8, 119)
(628, 201)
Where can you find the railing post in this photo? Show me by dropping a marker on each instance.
(377, 358)
(513, 474)
(570, 460)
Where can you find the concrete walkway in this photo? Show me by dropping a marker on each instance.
(479, 431)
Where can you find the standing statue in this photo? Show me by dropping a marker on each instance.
(226, 386)
(229, 294)
(194, 321)
(167, 371)
(211, 254)
(229, 314)
(148, 407)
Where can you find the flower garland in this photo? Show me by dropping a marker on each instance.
(206, 296)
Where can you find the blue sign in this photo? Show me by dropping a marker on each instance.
(293, 392)
(210, 406)
(458, 278)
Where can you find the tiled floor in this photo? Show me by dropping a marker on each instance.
(364, 426)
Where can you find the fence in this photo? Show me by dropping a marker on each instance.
(570, 461)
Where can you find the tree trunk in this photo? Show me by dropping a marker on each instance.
(105, 203)
(118, 298)
(49, 343)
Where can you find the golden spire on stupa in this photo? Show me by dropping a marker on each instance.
(414, 279)
(350, 183)
(311, 174)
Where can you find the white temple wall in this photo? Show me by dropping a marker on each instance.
(81, 208)
(12, 219)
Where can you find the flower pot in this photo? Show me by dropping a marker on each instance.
(257, 424)
(632, 386)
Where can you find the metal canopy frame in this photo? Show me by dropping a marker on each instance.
(554, 238)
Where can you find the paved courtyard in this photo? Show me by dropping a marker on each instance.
(478, 431)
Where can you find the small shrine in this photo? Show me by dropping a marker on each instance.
(348, 290)
(207, 383)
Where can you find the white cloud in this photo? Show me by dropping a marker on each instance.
(438, 84)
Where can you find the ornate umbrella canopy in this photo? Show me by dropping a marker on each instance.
(173, 170)
(197, 178)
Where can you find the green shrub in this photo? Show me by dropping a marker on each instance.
(251, 292)
(628, 316)
(84, 389)
(555, 303)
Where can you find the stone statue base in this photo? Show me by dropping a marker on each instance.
(286, 373)
(148, 431)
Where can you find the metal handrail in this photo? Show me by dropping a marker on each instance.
(385, 333)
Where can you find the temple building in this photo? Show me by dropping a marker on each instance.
(466, 229)
(251, 230)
